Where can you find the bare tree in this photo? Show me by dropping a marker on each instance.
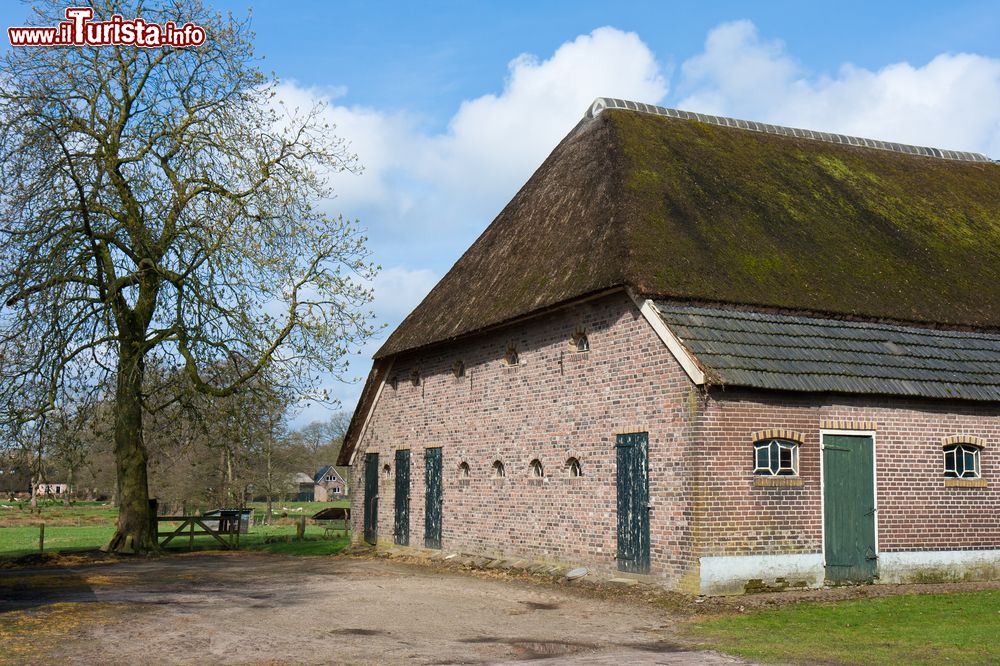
(157, 205)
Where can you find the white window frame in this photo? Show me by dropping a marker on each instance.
(977, 472)
(787, 444)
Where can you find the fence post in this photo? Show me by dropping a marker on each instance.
(154, 526)
(41, 537)
(300, 531)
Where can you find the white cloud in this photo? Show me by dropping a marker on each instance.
(495, 141)
(953, 101)
(461, 177)
(398, 290)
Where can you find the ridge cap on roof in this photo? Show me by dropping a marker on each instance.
(603, 103)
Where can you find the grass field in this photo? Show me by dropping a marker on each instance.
(956, 628)
(89, 525)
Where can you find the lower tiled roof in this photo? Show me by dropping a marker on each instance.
(797, 353)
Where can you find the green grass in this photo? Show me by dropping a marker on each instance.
(18, 541)
(90, 525)
(15, 514)
(958, 628)
(308, 508)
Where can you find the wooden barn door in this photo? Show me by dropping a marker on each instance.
(633, 502)
(401, 531)
(849, 508)
(434, 496)
(371, 497)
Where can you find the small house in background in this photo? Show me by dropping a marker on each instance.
(51, 489)
(302, 487)
(329, 484)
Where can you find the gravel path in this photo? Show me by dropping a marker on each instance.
(266, 609)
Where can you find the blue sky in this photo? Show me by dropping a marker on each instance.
(450, 106)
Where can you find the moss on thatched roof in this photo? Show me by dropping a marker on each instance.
(694, 211)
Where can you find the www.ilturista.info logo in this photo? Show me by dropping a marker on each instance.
(79, 30)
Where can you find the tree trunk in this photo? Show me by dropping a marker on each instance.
(134, 532)
(34, 494)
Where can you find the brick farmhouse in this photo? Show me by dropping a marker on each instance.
(329, 484)
(720, 354)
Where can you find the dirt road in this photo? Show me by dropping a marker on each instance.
(266, 609)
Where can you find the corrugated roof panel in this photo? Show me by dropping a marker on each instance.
(814, 354)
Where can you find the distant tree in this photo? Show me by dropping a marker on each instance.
(318, 442)
(157, 206)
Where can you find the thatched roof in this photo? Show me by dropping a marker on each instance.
(709, 210)
(691, 210)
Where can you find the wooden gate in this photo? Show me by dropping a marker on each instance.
(633, 502)
(849, 508)
(401, 529)
(434, 496)
(371, 498)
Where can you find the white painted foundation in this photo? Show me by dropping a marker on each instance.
(730, 574)
(938, 565)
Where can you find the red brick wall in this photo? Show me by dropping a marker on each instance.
(916, 510)
(556, 404)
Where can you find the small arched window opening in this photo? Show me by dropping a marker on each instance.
(415, 378)
(498, 470)
(573, 468)
(463, 470)
(535, 469)
(580, 342)
(511, 357)
(386, 471)
(458, 369)
(394, 382)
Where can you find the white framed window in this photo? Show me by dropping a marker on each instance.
(458, 369)
(961, 461)
(464, 472)
(580, 342)
(498, 470)
(776, 457)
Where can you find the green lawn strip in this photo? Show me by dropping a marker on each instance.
(18, 541)
(958, 628)
(309, 547)
(90, 525)
(79, 513)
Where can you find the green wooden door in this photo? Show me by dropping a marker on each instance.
(434, 498)
(849, 508)
(371, 497)
(401, 529)
(633, 502)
